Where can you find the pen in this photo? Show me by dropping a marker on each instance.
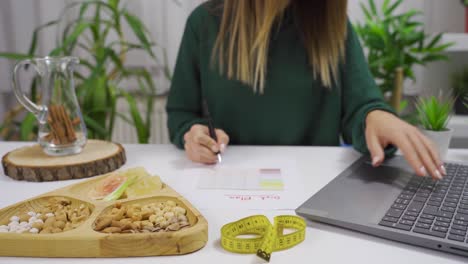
(211, 128)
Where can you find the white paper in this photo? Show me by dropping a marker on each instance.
(233, 178)
(243, 186)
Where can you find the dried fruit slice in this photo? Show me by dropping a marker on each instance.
(144, 186)
(106, 186)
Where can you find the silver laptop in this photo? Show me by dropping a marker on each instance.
(393, 203)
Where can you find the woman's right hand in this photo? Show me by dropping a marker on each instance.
(200, 147)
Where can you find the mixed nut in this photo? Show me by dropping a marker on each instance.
(56, 216)
(147, 218)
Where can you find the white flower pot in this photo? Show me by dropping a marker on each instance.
(441, 140)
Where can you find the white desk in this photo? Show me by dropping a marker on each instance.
(317, 166)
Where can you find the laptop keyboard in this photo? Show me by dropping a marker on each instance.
(433, 208)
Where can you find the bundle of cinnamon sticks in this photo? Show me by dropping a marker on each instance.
(61, 125)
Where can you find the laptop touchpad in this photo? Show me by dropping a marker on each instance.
(363, 195)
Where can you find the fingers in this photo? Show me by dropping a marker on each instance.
(200, 154)
(223, 139)
(383, 128)
(375, 148)
(433, 152)
(406, 147)
(425, 156)
(201, 135)
(200, 147)
(419, 154)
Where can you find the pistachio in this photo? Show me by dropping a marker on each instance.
(173, 227)
(184, 224)
(169, 215)
(171, 203)
(179, 210)
(182, 218)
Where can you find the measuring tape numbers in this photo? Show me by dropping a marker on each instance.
(268, 238)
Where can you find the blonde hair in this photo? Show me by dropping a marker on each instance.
(246, 26)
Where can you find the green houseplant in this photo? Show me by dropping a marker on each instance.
(459, 82)
(433, 115)
(96, 30)
(395, 43)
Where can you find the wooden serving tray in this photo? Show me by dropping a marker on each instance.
(84, 241)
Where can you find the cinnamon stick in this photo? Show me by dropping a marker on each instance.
(61, 126)
(76, 121)
(66, 125)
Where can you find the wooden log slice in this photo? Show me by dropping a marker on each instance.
(32, 164)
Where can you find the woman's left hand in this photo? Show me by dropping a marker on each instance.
(383, 129)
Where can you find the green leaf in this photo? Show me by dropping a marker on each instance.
(125, 118)
(434, 113)
(373, 8)
(138, 29)
(78, 30)
(83, 8)
(403, 106)
(365, 11)
(434, 57)
(149, 113)
(167, 72)
(385, 5)
(392, 8)
(32, 47)
(14, 56)
(142, 130)
(113, 104)
(27, 127)
(34, 84)
(95, 26)
(442, 47)
(95, 126)
(142, 73)
(434, 41)
(115, 58)
(114, 3)
(98, 70)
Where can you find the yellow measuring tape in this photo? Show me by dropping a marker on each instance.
(268, 238)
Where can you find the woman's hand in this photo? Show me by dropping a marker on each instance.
(200, 147)
(383, 129)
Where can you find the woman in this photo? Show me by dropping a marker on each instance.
(283, 72)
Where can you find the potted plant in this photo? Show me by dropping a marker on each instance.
(433, 116)
(460, 91)
(95, 29)
(395, 43)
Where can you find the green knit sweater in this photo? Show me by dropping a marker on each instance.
(295, 108)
